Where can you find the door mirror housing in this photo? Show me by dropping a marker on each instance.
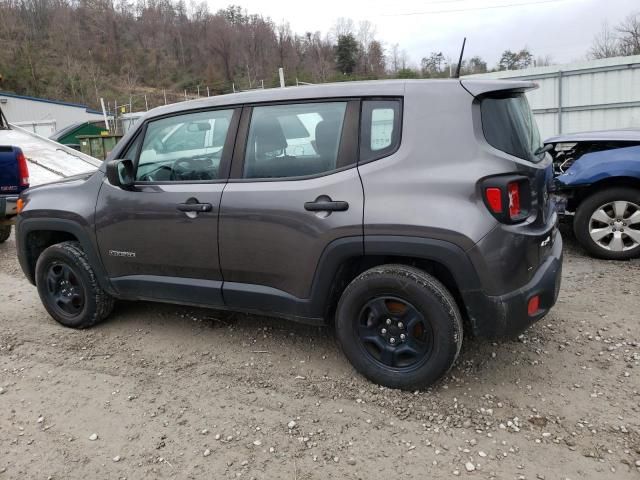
(120, 173)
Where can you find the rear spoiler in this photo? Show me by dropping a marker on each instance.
(482, 87)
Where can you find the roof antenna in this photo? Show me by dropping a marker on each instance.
(464, 42)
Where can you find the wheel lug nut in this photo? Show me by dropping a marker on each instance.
(383, 331)
(400, 325)
(402, 336)
(388, 321)
(392, 340)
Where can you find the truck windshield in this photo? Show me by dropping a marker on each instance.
(508, 125)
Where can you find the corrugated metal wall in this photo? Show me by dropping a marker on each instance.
(594, 95)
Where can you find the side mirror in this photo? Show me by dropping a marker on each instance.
(120, 173)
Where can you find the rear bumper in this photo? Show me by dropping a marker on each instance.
(507, 315)
(8, 209)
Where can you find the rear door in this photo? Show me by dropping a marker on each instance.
(294, 189)
(159, 239)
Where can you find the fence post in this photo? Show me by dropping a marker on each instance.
(560, 102)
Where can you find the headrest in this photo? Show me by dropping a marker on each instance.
(269, 137)
(327, 138)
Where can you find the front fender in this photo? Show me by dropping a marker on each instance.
(594, 167)
(24, 226)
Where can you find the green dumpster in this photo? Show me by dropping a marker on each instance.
(98, 146)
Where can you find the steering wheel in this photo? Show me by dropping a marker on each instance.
(192, 169)
(152, 176)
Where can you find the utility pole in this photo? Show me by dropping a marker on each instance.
(115, 117)
(104, 114)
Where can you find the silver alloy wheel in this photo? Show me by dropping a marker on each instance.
(615, 226)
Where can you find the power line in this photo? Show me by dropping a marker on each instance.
(489, 7)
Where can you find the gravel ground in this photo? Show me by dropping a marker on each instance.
(162, 391)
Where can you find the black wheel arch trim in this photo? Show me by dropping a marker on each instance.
(25, 226)
(448, 254)
(335, 255)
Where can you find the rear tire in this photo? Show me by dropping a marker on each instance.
(607, 224)
(5, 233)
(68, 287)
(399, 327)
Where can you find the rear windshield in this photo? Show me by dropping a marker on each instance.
(508, 125)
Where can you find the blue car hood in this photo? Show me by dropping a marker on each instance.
(592, 167)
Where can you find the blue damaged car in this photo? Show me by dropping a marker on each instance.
(597, 180)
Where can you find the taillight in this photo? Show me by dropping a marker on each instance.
(507, 197)
(23, 170)
(494, 199)
(533, 306)
(514, 200)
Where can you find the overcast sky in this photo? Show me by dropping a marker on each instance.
(563, 29)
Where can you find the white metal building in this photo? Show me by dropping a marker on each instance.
(43, 116)
(591, 95)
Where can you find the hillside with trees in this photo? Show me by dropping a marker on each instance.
(146, 52)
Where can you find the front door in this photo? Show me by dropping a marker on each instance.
(158, 240)
(296, 190)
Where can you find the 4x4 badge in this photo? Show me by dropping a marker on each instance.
(119, 253)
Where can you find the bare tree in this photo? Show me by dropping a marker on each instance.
(605, 43)
(376, 59)
(366, 33)
(394, 58)
(343, 26)
(629, 31)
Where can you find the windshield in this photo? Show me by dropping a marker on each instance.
(509, 125)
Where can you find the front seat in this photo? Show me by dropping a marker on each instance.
(268, 141)
(327, 143)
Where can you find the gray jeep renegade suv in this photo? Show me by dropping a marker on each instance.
(405, 212)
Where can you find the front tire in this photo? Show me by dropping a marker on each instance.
(68, 287)
(5, 233)
(399, 327)
(607, 224)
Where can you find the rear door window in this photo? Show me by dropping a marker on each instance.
(508, 125)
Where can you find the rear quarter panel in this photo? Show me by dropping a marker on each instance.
(430, 187)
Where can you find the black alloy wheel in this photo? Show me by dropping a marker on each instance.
(65, 291)
(393, 332)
